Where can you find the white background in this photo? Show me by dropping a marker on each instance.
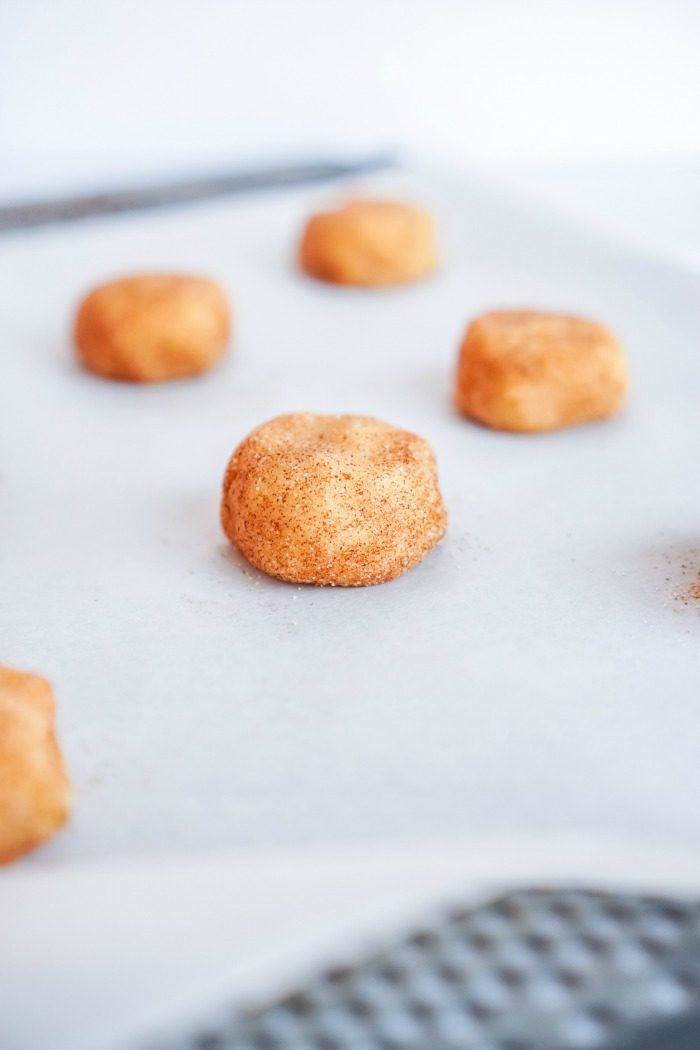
(97, 90)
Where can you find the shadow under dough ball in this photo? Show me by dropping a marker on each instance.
(153, 327)
(35, 793)
(369, 243)
(529, 371)
(338, 500)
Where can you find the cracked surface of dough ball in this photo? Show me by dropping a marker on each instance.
(151, 328)
(528, 371)
(35, 792)
(338, 500)
(370, 243)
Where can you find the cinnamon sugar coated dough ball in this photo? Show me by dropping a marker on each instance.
(150, 328)
(340, 500)
(35, 793)
(523, 370)
(369, 242)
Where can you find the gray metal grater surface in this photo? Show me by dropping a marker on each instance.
(533, 970)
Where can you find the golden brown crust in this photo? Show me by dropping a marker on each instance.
(339, 500)
(35, 793)
(370, 243)
(150, 328)
(528, 371)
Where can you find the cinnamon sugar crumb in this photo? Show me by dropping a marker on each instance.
(689, 591)
(689, 594)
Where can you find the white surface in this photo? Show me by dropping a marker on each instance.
(652, 205)
(93, 92)
(135, 949)
(533, 675)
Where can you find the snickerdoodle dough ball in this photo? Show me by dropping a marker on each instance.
(524, 370)
(35, 793)
(371, 243)
(340, 500)
(153, 327)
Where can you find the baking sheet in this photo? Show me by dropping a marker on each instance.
(538, 672)
(183, 942)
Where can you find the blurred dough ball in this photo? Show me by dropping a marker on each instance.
(35, 793)
(371, 243)
(151, 327)
(523, 370)
(340, 500)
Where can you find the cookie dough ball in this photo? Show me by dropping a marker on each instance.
(340, 500)
(34, 789)
(369, 243)
(149, 328)
(523, 370)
